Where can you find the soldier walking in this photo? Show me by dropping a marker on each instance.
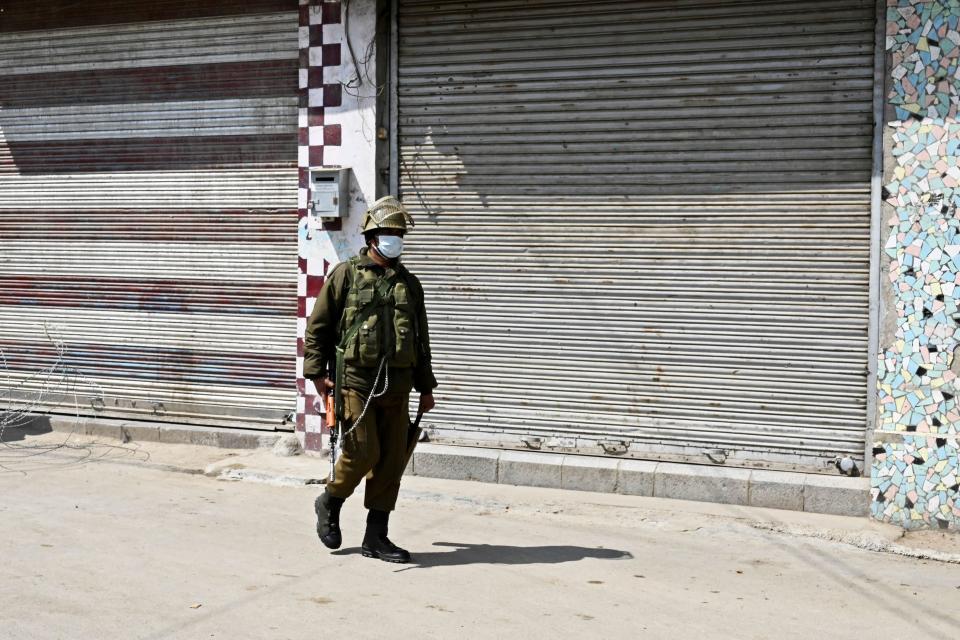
(371, 324)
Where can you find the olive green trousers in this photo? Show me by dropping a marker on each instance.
(376, 449)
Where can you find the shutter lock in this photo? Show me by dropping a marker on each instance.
(532, 442)
(716, 456)
(613, 447)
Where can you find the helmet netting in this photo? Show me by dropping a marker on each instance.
(387, 208)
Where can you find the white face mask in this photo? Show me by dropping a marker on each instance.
(390, 247)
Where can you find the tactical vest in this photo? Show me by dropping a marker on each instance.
(379, 319)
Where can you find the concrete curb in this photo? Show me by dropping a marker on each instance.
(169, 433)
(835, 495)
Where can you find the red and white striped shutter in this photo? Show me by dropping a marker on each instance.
(148, 207)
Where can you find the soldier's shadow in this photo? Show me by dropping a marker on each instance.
(464, 553)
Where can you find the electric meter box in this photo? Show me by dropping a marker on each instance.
(329, 193)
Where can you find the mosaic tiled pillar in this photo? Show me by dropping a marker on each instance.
(915, 469)
(321, 35)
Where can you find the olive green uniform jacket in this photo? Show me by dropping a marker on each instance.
(324, 327)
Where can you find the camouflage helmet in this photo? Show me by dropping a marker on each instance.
(386, 213)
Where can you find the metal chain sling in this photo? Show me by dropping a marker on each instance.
(336, 438)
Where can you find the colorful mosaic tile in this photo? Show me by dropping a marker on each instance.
(915, 481)
(924, 42)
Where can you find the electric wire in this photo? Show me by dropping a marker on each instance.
(361, 72)
(55, 387)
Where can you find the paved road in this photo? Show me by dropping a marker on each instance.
(95, 543)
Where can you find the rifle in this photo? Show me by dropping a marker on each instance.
(413, 436)
(331, 422)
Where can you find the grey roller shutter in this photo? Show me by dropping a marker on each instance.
(148, 195)
(643, 224)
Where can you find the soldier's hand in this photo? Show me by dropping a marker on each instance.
(426, 403)
(323, 385)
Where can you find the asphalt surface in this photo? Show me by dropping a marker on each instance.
(107, 541)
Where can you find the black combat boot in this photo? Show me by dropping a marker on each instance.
(328, 520)
(376, 544)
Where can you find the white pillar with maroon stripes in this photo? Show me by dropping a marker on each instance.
(337, 129)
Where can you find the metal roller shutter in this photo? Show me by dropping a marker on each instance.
(148, 195)
(643, 225)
